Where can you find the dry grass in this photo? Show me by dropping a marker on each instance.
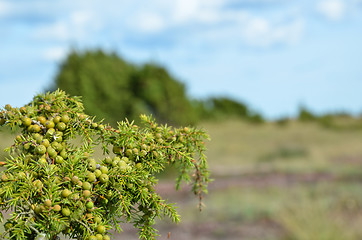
(237, 147)
(294, 182)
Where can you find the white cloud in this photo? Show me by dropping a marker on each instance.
(148, 22)
(213, 23)
(185, 9)
(55, 31)
(290, 33)
(332, 9)
(55, 53)
(4, 8)
(196, 21)
(224, 23)
(78, 25)
(209, 20)
(205, 11)
(159, 15)
(258, 31)
(80, 18)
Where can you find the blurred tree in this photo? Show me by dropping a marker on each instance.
(115, 89)
(224, 107)
(227, 106)
(164, 97)
(306, 115)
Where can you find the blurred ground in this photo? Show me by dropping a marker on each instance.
(300, 181)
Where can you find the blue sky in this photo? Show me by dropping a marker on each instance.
(274, 55)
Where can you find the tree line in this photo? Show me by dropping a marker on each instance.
(113, 88)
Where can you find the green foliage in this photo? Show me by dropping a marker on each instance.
(225, 108)
(52, 186)
(228, 107)
(305, 115)
(335, 120)
(114, 89)
(340, 121)
(163, 96)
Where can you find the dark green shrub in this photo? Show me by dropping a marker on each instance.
(305, 115)
(115, 89)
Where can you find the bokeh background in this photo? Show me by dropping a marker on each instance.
(275, 83)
